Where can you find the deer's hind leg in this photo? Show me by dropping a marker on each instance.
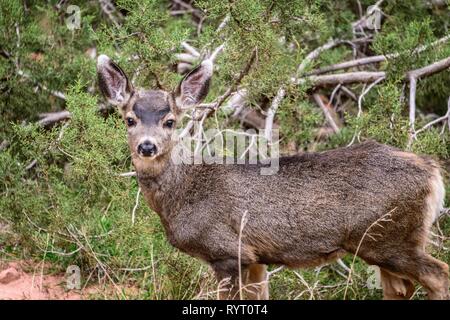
(394, 287)
(432, 274)
(413, 264)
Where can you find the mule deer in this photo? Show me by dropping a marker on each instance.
(318, 206)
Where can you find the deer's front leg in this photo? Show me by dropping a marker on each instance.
(227, 274)
(256, 282)
(251, 284)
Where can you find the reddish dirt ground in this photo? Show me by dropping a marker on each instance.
(16, 284)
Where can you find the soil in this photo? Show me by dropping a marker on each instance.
(16, 284)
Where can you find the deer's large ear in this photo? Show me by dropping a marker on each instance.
(195, 85)
(113, 82)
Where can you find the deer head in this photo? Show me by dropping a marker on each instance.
(151, 116)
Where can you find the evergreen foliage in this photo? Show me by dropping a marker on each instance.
(61, 189)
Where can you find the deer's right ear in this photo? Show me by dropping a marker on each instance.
(113, 82)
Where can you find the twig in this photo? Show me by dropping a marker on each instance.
(31, 165)
(128, 174)
(54, 93)
(53, 117)
(326, 112)
(241, 228)
(343, 78)
(415, 75)
(215, 53)
(282, 90)
(271, 112)
(220, 100)
(361, 97)
(43, 262)
(305, 283)
(133, 213)
(190, 49)
(374, 59)
(223, 24)
(440, 119)
(343, 265)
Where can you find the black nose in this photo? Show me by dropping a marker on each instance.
(147, 149)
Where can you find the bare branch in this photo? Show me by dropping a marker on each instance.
(315, 54)
(326, 111)
(220, 100)
(282, 90)
(128, 174)
(190, 49)
(271, 112)
(374, 59)
(344, 78)
(53, 117)
(57, 94)
(133, 213)
(435, 121)
(413, 76)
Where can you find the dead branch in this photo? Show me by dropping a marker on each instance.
(271, 112)
(315, 54)
(374, 59)
(326, 112)
(415, 75)
(190, 49)
(54, 93)
(344, 78)
(282, 90)
(368, 76)
(128, 174)
(236, 106)
(348, 93)
(438, 120)
(133, 213)
(220, 100)
(50, 118)
(31, 165)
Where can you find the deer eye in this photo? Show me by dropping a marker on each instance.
(130, 122)
(169, 123)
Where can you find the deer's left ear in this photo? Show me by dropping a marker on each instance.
(195, 85)
(113, 82)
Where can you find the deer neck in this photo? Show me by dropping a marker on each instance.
(162, 186)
